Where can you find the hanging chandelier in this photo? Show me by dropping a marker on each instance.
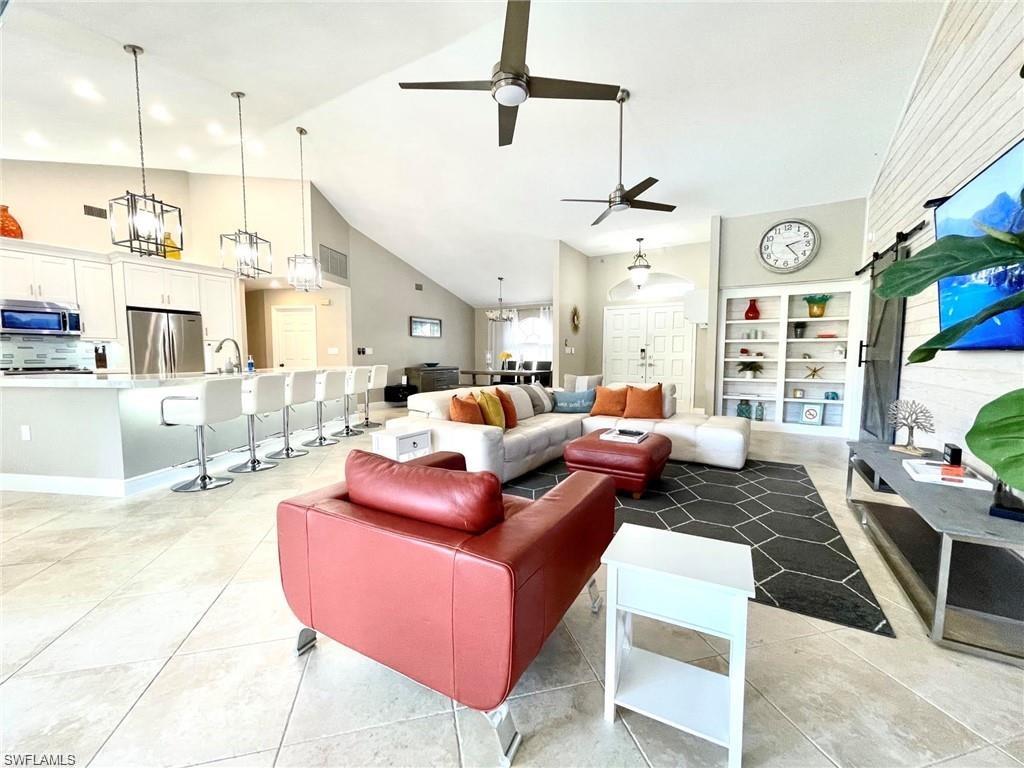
(304, 273)
(640, 269)
(243, 252)
(500, 315)
(141, 223)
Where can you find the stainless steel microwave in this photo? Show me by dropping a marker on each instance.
(40, 317)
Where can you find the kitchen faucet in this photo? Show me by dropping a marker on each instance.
(232, 367)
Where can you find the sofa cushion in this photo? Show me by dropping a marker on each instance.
(573, 383)
(466, 410)
(643, 403)
(668, 396)
(574, 402)
(609, 402)
(465, 501)
(535, 395)
(490, 407)
(509, 408)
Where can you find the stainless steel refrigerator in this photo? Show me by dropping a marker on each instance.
(165, 342)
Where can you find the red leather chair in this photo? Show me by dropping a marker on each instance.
(431, 571)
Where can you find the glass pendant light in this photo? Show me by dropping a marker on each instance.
(499, 315)
(141, 223)
(304, 273)
(640, 269)
(243, 252)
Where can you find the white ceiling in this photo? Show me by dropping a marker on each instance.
(736, 107)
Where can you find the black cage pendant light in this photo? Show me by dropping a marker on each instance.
(243, 252)
(304, 272)
(141, 223)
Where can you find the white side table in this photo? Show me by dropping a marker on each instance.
(402, 446)
(688, 581)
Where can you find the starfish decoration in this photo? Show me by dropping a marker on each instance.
(815, 371)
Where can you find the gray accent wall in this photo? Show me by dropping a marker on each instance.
(571, 275)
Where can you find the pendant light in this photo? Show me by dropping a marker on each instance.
(141, 223)
(304, 272)
(500, 315)
(640, 269)
(243, 252)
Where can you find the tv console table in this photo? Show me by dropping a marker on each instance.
(970, 594)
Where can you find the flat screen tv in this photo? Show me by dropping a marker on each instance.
(991, 198)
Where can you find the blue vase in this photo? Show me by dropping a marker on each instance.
(759, 411)
(743, 409)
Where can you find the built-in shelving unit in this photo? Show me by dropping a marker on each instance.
(787, 359)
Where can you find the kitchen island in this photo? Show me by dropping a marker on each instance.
(100, 434)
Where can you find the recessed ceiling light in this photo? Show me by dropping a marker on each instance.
(116, 145)
(185, 153)
(161, 113)
(35, 139)
(215, 129)
(86, 90)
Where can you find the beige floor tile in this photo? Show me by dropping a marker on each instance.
(22, 517)
(36, 546)
(123, 630)
(13, 575)
(561, 727)
(766, 624)
(263, 759)
(70, 713)
(995, 705)
(558, 664)
(373, 695)
(247, 612)
(769, 739)
(262, 564)
(73, 581)
(426, 741)
(986, 757)
(145, 537)
(221, 704)
(182, 567)
(854, 713)
(229, 527)
(26, 631)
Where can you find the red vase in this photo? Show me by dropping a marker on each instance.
(9, 226)
(752, 313)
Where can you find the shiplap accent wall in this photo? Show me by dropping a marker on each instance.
(966, 109)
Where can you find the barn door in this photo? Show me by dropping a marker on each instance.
(881, 355)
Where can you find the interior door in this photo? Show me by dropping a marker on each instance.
(625, 344)
(670, 348)
(294, 337)
(881, 356)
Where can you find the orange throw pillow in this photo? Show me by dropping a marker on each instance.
(508, 407)
(643, 403)
(466, 410)
(609, 402)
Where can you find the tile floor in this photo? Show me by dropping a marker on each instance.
(152, 631)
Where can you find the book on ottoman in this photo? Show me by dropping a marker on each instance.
(633, 436)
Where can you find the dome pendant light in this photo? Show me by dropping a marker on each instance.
(141, 223)
(243, 252)
(499, 315)
(640, 269)
(304, 272)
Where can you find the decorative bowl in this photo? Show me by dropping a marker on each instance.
(431, 365)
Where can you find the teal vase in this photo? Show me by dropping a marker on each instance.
(759, 411)
(743, 409)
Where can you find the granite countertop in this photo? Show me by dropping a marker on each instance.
(127, 380)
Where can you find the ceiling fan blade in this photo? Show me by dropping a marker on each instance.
(645, 206)
(551, 88)
(453, 85)
(513, 44)
(639, 189)
(604, 215)
(506, 124)
(582, 200)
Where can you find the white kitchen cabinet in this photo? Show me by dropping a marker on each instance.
(216, 302)
(36, 277)
(160, 287)
(182, 290)
(96, 299)
(17, 275)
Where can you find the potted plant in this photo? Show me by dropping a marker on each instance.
(995, 437)
(751, 369)
(816, 304)
(799, 328)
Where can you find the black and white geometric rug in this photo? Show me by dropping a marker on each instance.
(801, 562)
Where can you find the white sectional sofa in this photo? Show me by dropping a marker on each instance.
(537, 439)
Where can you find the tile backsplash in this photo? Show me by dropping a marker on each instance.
(38, 351)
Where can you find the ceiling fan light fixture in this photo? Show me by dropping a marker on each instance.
(510, 92)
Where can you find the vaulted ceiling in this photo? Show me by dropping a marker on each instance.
(736, 107)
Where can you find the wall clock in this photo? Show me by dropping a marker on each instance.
(788, 246)
(574, 319)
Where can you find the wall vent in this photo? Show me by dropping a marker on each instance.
(333, 263)
(419, 286)
(92, 210)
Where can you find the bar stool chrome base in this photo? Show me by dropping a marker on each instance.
(347, 431)
(320, 441)
(202, 483)
(252, 465)
(287, 452)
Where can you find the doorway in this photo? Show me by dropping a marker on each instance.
(293, 332)
(649, 344)
(881, 354)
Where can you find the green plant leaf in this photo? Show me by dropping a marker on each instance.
(997, 437)
(943, 340)
(998, 234)
(951, 255)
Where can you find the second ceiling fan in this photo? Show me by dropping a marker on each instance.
(621, 198)
(511, 82)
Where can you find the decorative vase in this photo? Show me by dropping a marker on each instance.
(743, 409)
(9, 226)
(759, 411)
(748, 374)
(752, 313)
(171, 249)
(816, 310)
(799, 329)
(839, 352)
(798, 393)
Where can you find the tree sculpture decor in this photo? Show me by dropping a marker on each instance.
(910, 415)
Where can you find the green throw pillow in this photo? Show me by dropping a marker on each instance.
(490, 407)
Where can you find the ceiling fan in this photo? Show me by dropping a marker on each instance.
(621, 198)
(511, 83)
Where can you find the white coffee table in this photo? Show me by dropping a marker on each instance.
(688, 581)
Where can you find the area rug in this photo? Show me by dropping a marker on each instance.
(801, 562)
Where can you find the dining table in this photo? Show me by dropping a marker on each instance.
(474, 373)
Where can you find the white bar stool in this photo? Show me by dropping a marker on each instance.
(299, 387)
(378, 379)
(356, 382)
(263, 393)
(330, 385)
(207, 402)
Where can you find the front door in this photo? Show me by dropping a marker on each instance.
(670, 348)
(294, 337)
(881, 356)
(625, 344)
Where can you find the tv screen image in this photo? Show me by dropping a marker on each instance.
(991, 198)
